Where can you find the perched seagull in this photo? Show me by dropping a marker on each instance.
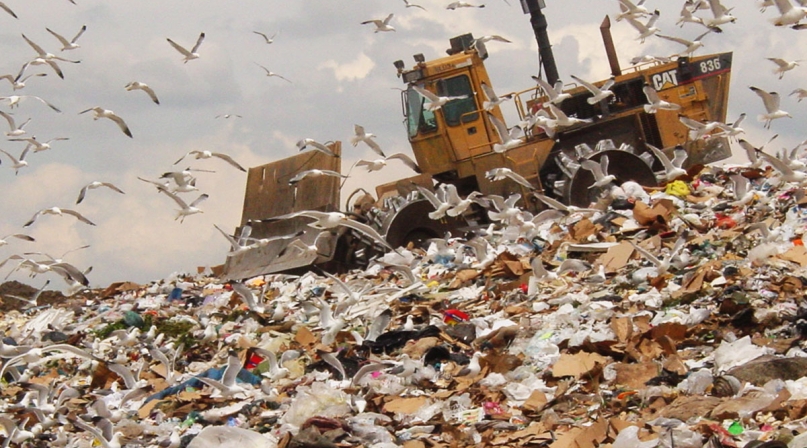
(137, 85)
(629, 10)
(381, 25)
(655, 102)
(497, 174)
(268, 39)
(100, 112)
(772, 110)
(412, 5)
(8, 10)
(555, 94)
(60, 212)
(71, 44)
(509, 138)
(361, 136)
(113, 442)
(672, 170)
(697, 129)
(36, 144)
(783, 66)
(720, 15)
(44, 54)
(493, 100)
(271, 73)
(189, 55)
(314, 173)
(788, 173)
(377, 164)
(599, 170)
(14, 130)
(209, 154)
(800, 93)
(16, 164)
(479, 43)
(306, 142)
(332, 220)
(14, 101)
(691, 45)
(92, 186)
(454, 5)
(789, 14)
(18, 82)
(600, 93)
(185, 209)
(473, 368)
(645, 29)
(435, 101)
(21, 236)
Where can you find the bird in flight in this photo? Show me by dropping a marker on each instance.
(381, 25)
(271, 73)
(268, 39)
(68, 44)
(137, 85)
(189, 55)
(100, 112)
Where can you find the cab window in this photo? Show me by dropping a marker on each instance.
(455, 111)
(418, 118)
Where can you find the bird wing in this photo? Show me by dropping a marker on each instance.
(13, 160)
(70, 272)
(651, 94)
(769, 99)
(646, 254)
(231, 372)
(379, 324)
(58, 36)
(740, 184)
(500, 128)
(519, 179)
(548, 90)
(125, 373)
(558, 113)
(36, 47)
(199, 200)
(81, 194)
(332, 360)
(8, 10)
(80, 32)
(640, 27)
(591, 87)
(33, 218)
(776, 163)
(551, 202)
(367, 230)
(92, 430)
(679, 156)
(430, 196)
(45, 102)
(738, 121)
(407, 160)
(244, 292)
(178, 47)
(121, 124)
(233, 243)
(186, 155)
(668, 166)
(198, 42)
(78, 215)
(176, 198)
(489, 93)
(150, 92)
(376, 22)
(594, 167)
(690, 123)
(374, 146)
(265, 37)
(778, 61)
(426, 94)
(679, 40)
(389, 17)
(228, 159)
(10, 119)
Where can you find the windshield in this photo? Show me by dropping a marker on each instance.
(454, 110)
(418, 119)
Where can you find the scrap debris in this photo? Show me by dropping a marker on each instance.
(677, 321)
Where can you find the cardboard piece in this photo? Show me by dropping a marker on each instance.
(405, 405)
(577, 365)
(616, 257)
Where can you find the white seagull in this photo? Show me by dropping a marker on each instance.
(672, 170)
(493, 100)
(555, 94)
(18, 82)
(697, 129)
(600, 93)
(210, 154)
(788, 173)
(44, 54)
(268, 39)
(21, 236)
(645, 29)
(137, 85)
(509, 138)
(306, 142)
(68, 44)
(789, 14)
(800, 93)
(100, 112)
(655, 102)
(185, 209)
(497, 174)
(14, 101)
(733, 129)
(454, 5)
(60, 212)
(381, 25)
(783, 66)
(630, 10)
(435, 101)
(189, 55)
(36, 144)
(412, 5)
(332, 220)
(92, 186)
(772, 110)
(720, 15)
(16, 164)
(271, 73)
(360, 135)
(479, 43)
(563, 120)
(377, 164)
(314, 173)
(599, 170)
(14, 130)
(691, 45)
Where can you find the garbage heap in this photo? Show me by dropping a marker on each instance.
(672, 319)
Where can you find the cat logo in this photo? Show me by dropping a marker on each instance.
(665, 80)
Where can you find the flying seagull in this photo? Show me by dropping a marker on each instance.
(691, 45)
(454, 5)
(412, 5)
(16, 164)
(14, 101)
(672, 170)
(92, 186)
(334, 219)
(509, 138)
(631, 10)
(68, 44)
(189, 55)
(44, 54)
(783, 66)
(772, 110)
(306, 142)
(60, 212)
(314, 173)
(268, 39)
(377, 164)
(100, 112)
(18, 82)
(381, 25)
(435, 101)
(600, 93)
(14, 130)
(36, 144)
(479, 43)
(493, 100)
(360, 135)
(137, 85)
(655, 103)
(271, 73)
(645, 29)
(554, 93)
(185, 209)
(599, 170)
(497, 174)
(209, 154)
(800, 93)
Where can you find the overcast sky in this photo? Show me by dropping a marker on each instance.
(341, 73)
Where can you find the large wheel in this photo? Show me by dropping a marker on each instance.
(623, 164)
(411, 224)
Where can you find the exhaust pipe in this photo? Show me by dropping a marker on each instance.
(610, 50)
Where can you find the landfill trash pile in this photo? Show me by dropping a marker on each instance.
(671, 319)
